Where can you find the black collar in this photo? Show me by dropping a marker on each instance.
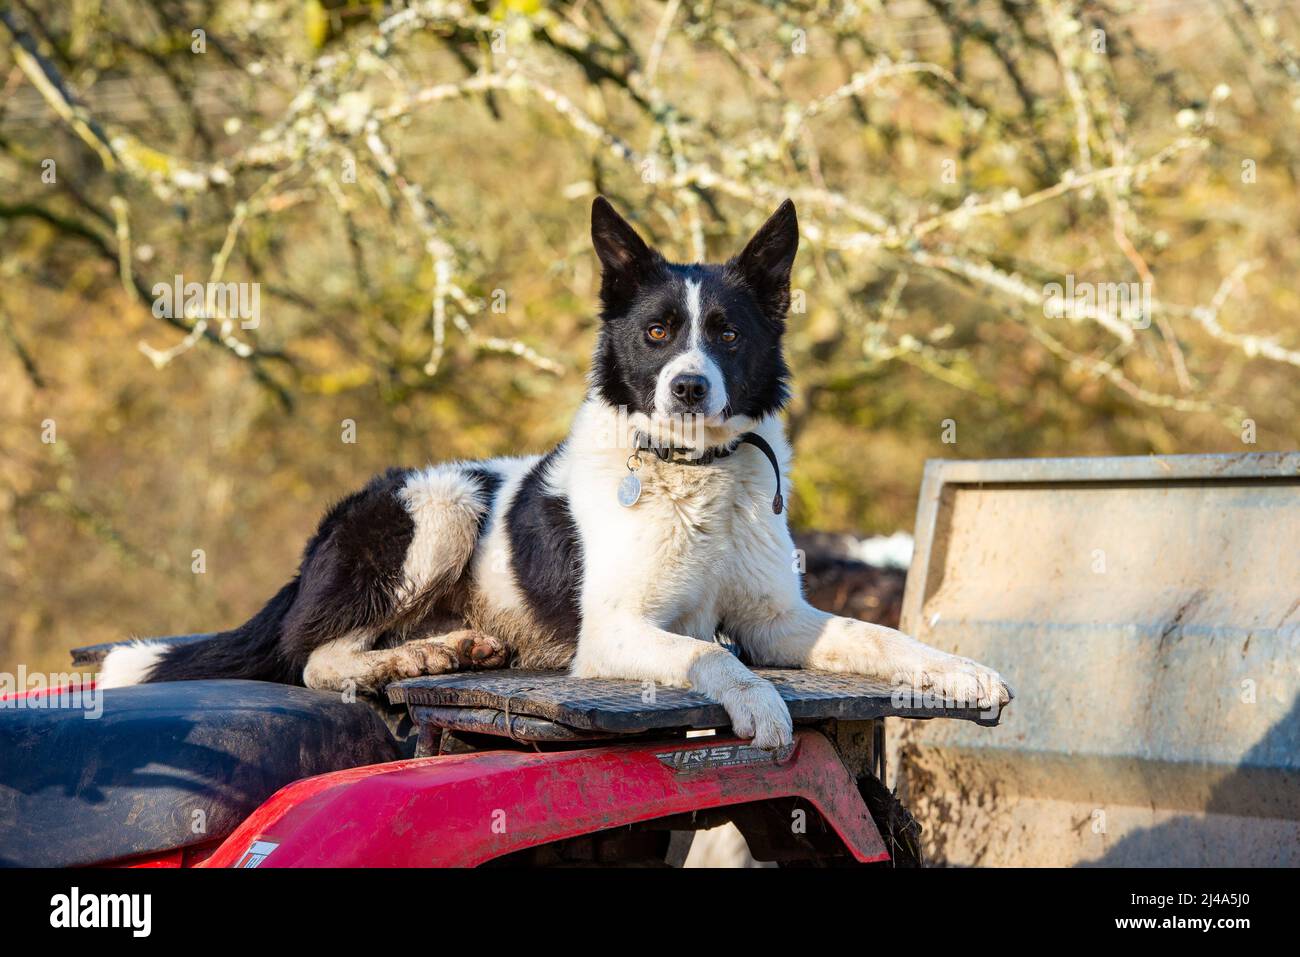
(684, 456)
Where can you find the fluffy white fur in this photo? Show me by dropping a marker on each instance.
(338, 664)
(494, 581)
(128, 665)
(445, 507)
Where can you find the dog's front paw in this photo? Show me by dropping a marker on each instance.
(757, 711)
(961, 680)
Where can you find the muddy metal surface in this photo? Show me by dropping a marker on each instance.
(1147, 612)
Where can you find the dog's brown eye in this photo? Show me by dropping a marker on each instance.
(657, 332)
(730, 335)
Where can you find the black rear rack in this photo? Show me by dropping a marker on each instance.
(553, 706)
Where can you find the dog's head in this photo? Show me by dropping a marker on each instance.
(693, 352)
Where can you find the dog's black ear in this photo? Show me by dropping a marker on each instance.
(768, 258)
(625, 259)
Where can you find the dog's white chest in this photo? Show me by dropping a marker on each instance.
(676, 554)
(692, 531)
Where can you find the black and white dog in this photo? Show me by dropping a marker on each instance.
(621, 553)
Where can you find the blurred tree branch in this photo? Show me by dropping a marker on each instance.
(361, 90)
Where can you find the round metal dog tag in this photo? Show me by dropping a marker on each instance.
(629, 490)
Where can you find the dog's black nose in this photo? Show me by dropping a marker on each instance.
(690, 389)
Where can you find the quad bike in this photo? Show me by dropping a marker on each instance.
(502, 768)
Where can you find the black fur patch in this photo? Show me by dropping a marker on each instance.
(489, 483)
(545, 553)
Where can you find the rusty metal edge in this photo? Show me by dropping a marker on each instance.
(1121, 468)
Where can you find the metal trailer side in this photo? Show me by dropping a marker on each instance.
(1147, 613)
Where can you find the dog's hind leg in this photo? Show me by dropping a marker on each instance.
(346, 664)
(383, 561)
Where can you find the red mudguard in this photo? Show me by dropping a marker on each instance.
(463, 810)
